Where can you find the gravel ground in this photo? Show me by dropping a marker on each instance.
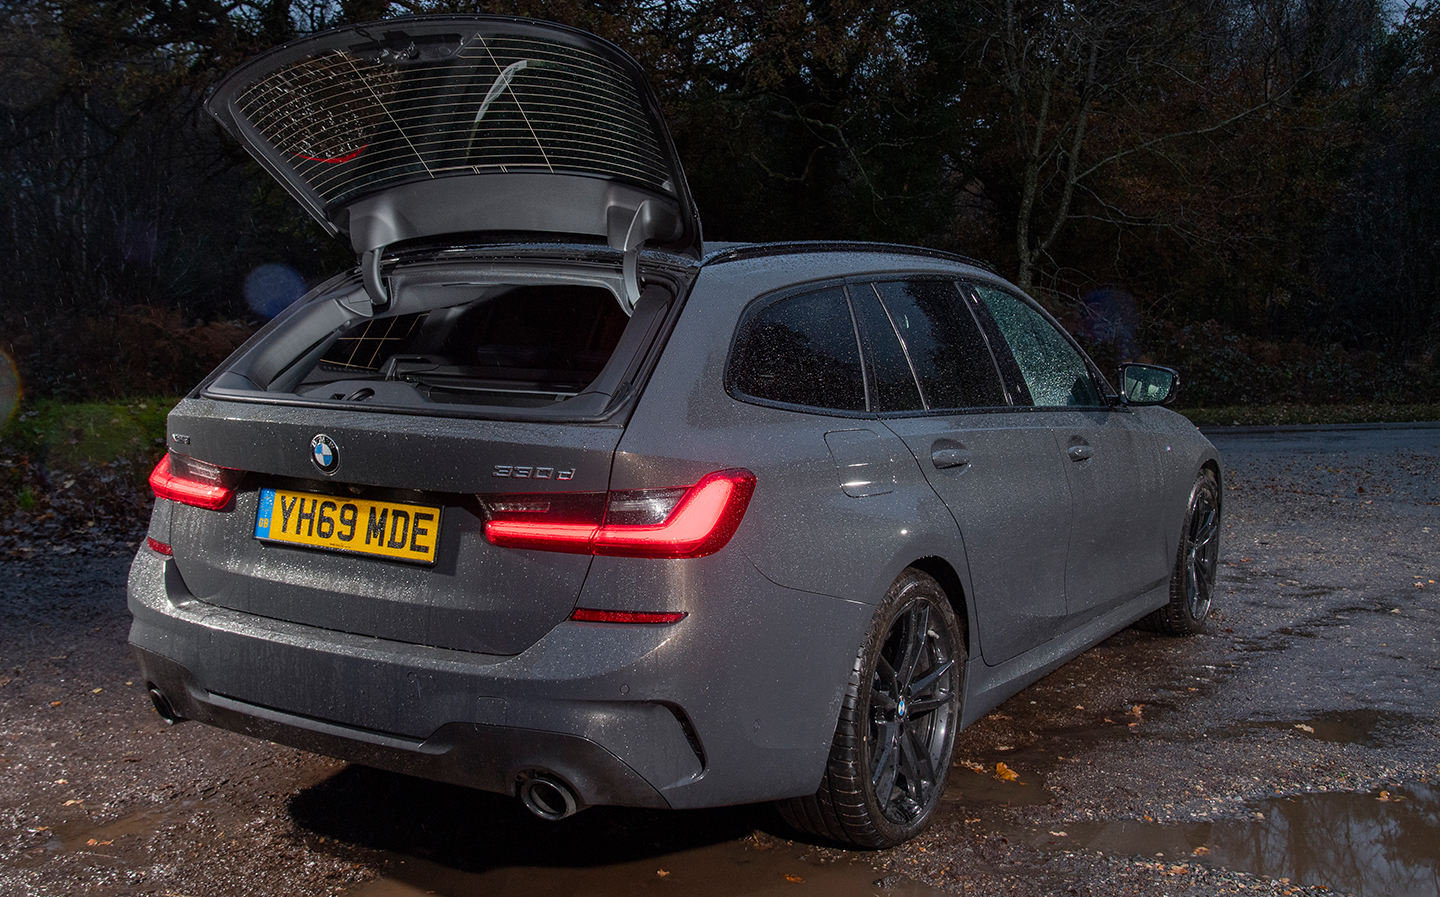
(1313, 684)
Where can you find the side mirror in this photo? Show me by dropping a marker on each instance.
(1147, 384)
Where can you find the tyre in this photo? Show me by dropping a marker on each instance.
(890, 759)
(1192, 585)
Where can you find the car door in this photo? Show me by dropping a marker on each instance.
(997, 467)
(1116, 543)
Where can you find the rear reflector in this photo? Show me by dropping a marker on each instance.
(590, 615)
(159, 547)
(686, 522)
(191, 487)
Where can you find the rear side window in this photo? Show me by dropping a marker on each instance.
(943, 343)
(801, 350)
(1055, 373)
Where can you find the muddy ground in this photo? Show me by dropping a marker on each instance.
(1291, 749)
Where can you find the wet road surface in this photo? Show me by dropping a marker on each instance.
(1291, 748)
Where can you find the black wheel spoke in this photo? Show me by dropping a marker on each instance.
(882, 700)
(1207, 531)
(923, 684)
(887, 674)
(917, 622)
(886, 768)
(917, 708)
(916, 764)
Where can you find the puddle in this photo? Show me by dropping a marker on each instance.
(109, 839)
(970, 786)
(1370, 844)
(719, 870)
(1365, 727)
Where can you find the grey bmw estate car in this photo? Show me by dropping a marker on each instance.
(548, 498)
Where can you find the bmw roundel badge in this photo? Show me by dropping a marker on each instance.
(324, 453)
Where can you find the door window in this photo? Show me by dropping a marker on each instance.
(943, 343)
(1055, 372)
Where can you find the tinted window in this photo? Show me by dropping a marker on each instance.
(1054, 372)
(891, 381)
(801, 350)
(943, 343)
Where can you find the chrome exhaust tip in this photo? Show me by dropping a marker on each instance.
(163, 705)
(548, 797)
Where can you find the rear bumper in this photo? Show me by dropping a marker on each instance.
(650, 716)
(489, 757)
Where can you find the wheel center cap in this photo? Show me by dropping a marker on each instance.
(900, 710)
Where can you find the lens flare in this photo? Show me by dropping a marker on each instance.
(271, 288)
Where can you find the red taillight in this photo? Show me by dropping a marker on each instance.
(693, 522)
(190, 488)
(591, 615)
(159, 547)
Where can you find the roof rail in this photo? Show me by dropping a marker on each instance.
(734, 252)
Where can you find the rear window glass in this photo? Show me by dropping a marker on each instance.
(944, 344)
(801, 351)
(369, 345)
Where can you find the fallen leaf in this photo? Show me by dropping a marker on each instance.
(62, 781)
(54, 703)
(96, 691)
(4, 681)
(1309, 730)
(1136, 709)
(93, 843)
(794, 879)
(72, 802)
(1005, 773)
(1060, 834)
(661, 872)
(1200, 851)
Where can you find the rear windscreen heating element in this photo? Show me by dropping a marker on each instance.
(351, 122)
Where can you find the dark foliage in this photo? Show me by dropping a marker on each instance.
(1258, 175)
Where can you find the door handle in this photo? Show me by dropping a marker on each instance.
(946, 458)
(1080, 452)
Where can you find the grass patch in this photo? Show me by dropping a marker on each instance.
(73, 476)
(1284, 415)
(70, 436)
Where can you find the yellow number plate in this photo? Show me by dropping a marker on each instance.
(380, 528)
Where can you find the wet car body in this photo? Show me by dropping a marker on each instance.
(539, 634)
